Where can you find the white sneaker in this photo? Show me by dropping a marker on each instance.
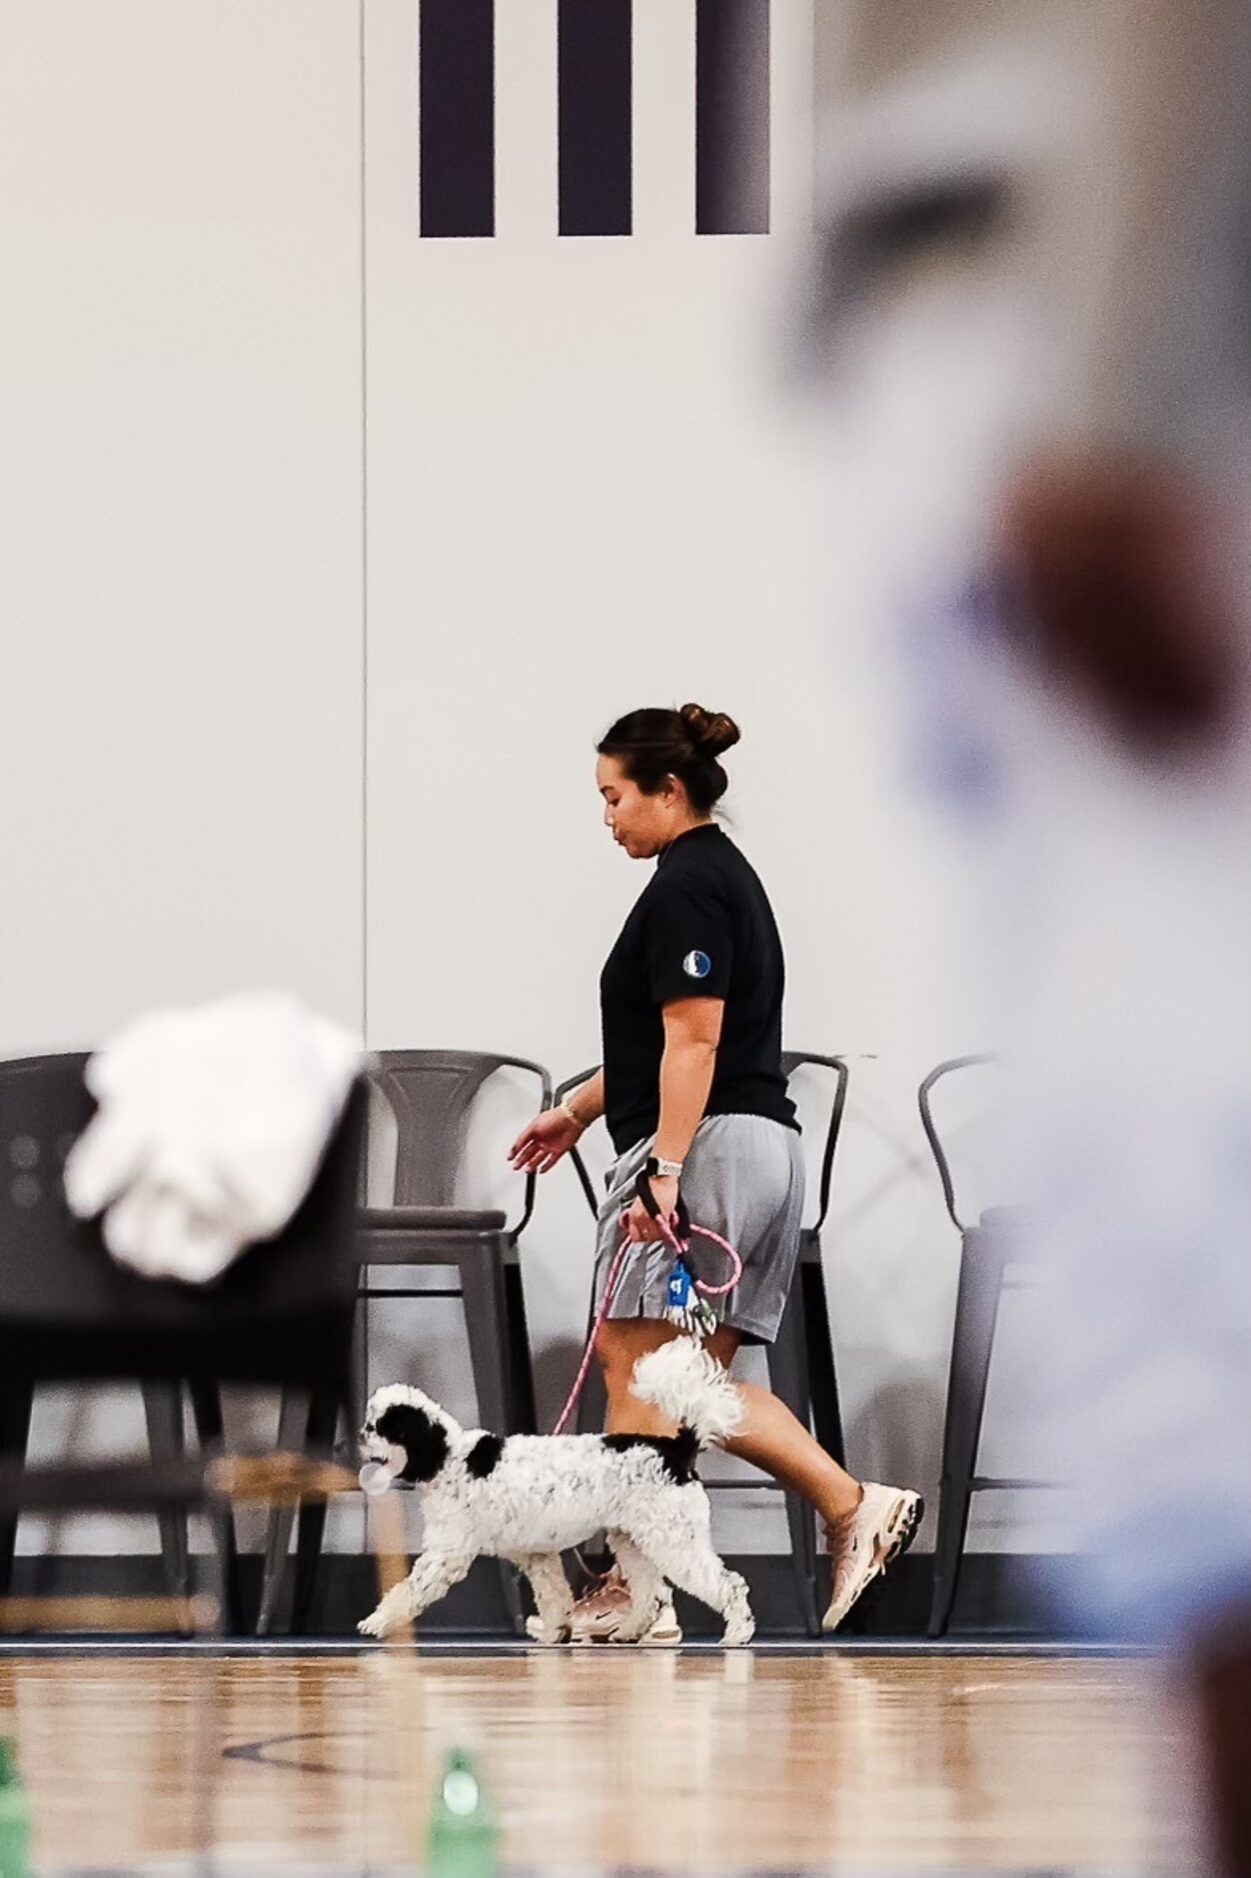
(665, 1632)
(882, 1528)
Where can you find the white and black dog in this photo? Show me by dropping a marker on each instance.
(527, 1498)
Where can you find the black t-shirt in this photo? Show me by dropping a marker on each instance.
(702, 928)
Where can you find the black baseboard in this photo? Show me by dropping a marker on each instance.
(999, 1596)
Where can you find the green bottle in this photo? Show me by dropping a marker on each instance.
(14, 1818)
(463, 1841)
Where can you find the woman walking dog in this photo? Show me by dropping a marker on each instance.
(692, 1090)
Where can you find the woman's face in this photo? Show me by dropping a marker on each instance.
(640, 824)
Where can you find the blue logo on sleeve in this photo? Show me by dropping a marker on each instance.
(697, 965)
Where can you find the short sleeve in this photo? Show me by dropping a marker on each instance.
(690, 946)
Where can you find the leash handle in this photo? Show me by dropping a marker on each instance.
(643, 1188)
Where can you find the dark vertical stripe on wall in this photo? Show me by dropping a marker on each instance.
(596, 182)
(457, 95)
(732, 117)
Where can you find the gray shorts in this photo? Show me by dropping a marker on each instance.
(744, 1177)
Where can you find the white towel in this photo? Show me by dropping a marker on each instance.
(210, 1128)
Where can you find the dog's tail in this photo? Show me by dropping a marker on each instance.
(684, 1382)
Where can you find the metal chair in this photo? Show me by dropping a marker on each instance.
(162, 1405)
(282, 1315)
(987, 1249)
(430, 1095)
(801, 1363)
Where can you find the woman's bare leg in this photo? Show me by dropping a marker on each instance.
(771, 1437)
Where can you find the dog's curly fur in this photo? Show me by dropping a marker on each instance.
(527, 1498)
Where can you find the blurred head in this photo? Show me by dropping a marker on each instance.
(1034, 323)
(659, 774)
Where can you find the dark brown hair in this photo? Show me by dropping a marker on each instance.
(651, 745)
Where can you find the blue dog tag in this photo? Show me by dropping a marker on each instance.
(680, 1289)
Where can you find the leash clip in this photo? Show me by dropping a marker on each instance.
(687, 1310)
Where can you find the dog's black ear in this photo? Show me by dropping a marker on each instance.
(422, 1439)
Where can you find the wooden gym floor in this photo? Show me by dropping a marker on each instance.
(782, 1761)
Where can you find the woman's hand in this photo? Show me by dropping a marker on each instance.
(547, 1140)
(640, 1227)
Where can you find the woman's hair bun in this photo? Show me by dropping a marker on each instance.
(710, 731)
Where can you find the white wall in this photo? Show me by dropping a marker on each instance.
(586, 491)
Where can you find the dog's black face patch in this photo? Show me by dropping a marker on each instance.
(677, 1453)
(422, 1439)
(483, 1456)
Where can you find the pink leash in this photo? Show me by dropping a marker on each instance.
(610, 1292)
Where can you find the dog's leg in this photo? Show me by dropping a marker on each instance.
(433, 1574)
(552, 1596)
(646, 1586)
(679, 1545)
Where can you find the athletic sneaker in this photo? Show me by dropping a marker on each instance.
(598, 1615)
(882, 1528)
(599, 1611)
(665, 1632)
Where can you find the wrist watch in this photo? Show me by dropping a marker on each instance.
(663, 1170)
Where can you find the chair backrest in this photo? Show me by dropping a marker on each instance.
(281, 1314)
(959, 1122)
(793, 1063)
(430, 1094)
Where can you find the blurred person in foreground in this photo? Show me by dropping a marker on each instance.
(1032, 311)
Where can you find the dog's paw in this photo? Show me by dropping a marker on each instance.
(392, 1614)
(539, 1632)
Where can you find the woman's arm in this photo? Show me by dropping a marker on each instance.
(692, 1033)
(586, 1103)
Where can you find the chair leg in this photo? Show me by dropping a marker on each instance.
(323, 1423)
(485, 1297)
(525, 1414)
(16, 1402)
(788, 1378)
(977, 1308)
(293, 1420)
(359, 1385)
(827, 1418)
(206, 1407)
(162, 1408)
(486, 1327)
